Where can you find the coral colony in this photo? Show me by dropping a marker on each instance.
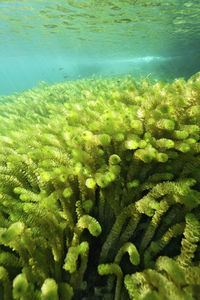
(100, 191)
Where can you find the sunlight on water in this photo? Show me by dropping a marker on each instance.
(88, 37)
(144, 59)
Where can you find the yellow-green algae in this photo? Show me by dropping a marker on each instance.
(100, 191)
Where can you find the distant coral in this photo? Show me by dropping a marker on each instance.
(100, 191)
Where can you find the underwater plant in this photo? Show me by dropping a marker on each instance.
(100, 191)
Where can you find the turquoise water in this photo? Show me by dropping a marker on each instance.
(54, 41)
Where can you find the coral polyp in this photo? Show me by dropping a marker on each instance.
(100, 191)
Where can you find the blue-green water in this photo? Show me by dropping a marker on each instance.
(54, 41)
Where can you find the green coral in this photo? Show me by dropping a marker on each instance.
(100, 191)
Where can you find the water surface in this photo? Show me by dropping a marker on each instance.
(63, 40)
